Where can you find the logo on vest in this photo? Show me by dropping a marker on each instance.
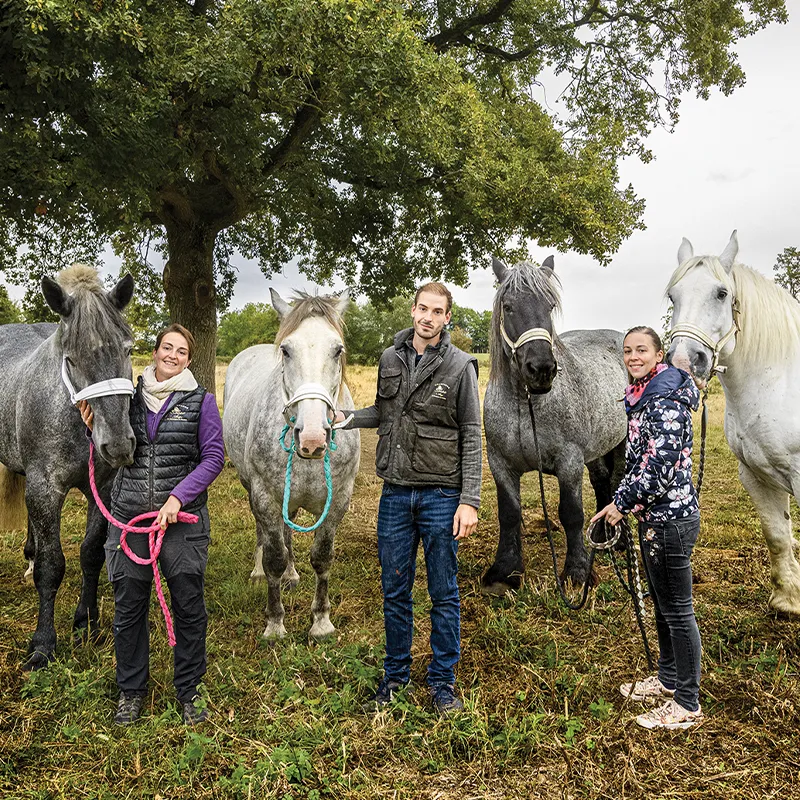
(440, 391)
(177, 415)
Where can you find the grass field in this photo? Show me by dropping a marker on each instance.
(544, 717)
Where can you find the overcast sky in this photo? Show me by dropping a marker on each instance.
(732, 163)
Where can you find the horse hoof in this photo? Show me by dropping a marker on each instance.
(274, 631)
(578, 577)
(257, 577)
(28, 576)
(290, 581)
(36, 660)
(497, 589)
(322, 629)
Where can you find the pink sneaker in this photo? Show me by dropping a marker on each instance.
(671, 717)
(650, 690)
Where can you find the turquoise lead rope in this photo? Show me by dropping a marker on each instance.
(287, 484)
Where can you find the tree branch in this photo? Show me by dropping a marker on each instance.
(444, 39)
(305, 120)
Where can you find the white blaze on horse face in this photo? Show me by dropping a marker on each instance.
(701, 300)
(313, 354)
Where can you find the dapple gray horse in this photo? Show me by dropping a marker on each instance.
(298, 382)
(44, 450)
(575, 382)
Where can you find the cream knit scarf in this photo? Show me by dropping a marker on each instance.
(156, 392)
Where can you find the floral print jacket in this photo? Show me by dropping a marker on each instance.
(657, 486)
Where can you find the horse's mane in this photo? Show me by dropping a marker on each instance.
(78, 277)
(91, 308)
(524, 277)
(769, 317)
(304, 306)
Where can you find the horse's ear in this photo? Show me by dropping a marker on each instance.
(56, 297)
(122, 293)
(685, 251)
(549, 263)
(500, 269)
(730, 252)
(279, 304)
(343, 302)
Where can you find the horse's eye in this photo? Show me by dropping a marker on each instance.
(285, 351)
(338, 351)
(722, 294)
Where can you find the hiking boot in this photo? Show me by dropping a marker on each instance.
(129, 706)
(671, 717)
(650, 690)
(384, 694)
(194, 711)
(444, 699)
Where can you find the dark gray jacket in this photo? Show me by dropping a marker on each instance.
(428, 417)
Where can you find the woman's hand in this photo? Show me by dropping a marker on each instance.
(87, 415)
(168, 513)
(612, 514)
(338, 417)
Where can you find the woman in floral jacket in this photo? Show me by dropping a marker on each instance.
(658, 490)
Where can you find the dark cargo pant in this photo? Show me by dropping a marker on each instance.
(183, 559)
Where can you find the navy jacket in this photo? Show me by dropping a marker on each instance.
(657, 486)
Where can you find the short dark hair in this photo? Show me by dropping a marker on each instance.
(647, 331)
(176, 328)
(434, 287)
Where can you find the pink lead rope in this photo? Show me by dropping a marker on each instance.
(155, 541)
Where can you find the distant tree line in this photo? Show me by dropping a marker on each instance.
(370, 328)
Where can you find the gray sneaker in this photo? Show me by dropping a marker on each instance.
(650, 690)
(194, 711)
(129, 707)
(445, 700)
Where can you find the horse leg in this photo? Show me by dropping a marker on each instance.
(772, 506)
(44, 528)
(274, 556)
(321, 560)
(290, 575)
(506, 572)
(570, 512)
(30, 554)
(86, 621)
(600, 478)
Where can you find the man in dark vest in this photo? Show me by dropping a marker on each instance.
(427, 413)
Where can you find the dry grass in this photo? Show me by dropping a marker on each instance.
(544, 717)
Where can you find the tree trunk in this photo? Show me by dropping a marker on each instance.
(190, 292)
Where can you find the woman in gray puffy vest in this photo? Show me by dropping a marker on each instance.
(179, 452)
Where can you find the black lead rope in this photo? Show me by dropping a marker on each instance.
(633, 587)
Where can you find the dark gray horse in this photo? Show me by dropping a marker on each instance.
(575, 382)
(44, 450)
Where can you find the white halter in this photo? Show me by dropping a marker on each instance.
(99, 389)
(530, 335)
(689, 331)
(315, 391)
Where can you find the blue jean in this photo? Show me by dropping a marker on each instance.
(666, 550)
(407, 515)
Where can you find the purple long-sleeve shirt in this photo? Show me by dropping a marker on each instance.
(212, 450)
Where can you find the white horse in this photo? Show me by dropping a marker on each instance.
(731, 320)
(297, 383)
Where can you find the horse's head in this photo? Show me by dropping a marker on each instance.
(522, 324)
(96, 345)
(311, 344)
(704, 323)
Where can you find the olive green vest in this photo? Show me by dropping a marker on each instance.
(418, 435)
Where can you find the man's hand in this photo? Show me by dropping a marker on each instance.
(465, 521)
(87, 415)
(338, 417)
(612, 514)
(168, 513)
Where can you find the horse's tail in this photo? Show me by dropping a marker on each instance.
(13, 513)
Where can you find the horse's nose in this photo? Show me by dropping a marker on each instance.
(311, 443)
(540, 373)
(700, 362)
(118, 452)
